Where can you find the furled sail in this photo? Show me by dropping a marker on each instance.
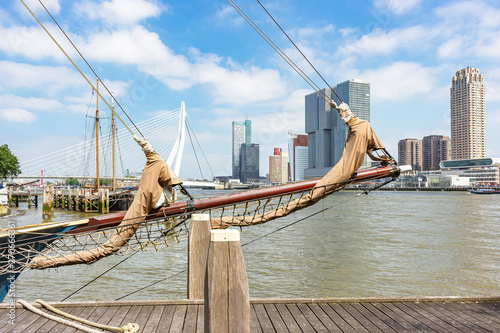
(361, 139)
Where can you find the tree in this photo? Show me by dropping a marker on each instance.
(71, 181)
(9, 164)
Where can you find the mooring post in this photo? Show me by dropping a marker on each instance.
(199, 241)
(227, 304)
(29, 197)
(48, 201)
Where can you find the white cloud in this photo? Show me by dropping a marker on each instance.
(118, 12)
(384, 43)
(400, 80)
(49, 79)
(397, 6)
(17, 115)
(31, 103)
(451, 48)
(53, 6)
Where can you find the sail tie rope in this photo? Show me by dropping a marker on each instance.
(129, 328)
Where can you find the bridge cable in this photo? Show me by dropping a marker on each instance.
(202, 152)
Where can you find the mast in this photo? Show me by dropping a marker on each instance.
(113, 129)
(97, 134)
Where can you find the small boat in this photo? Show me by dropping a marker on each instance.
(485, 191)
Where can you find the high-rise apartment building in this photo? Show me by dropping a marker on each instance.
(249, 163)
(327, 132)
(242, 133)
(278, 167)
(410, 153)
(297, 153)
(468, 129)
(435, 148)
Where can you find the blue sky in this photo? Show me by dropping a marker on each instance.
(155, 54)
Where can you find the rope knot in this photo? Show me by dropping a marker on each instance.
(130, 328)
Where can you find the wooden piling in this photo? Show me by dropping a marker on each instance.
(198, 243)
(48, 201)
(227, 305)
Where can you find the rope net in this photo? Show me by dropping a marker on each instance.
(138, 231)
(47, 247)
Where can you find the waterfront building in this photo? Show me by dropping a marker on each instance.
(410, 153)
(249, 163)
(468, 128)
(242, 133)
(278, 167)
(482, 171)
(435, 148)
(298, 155)
(327, 133)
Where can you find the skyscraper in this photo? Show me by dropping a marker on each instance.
(278, 167)
(242, 133)
(435, 148)
(249, 162)
(297, 154)
(410, 153)
(468, 129)
(327, 133)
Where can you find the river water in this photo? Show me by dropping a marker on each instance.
(385, 244)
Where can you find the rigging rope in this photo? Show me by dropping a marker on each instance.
(282, 54)
(79, 70)
(299, 50)
(272, 232)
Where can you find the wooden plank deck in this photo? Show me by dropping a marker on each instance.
(440, 314)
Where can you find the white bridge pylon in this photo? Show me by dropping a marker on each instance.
(165, 131)
(175, 155)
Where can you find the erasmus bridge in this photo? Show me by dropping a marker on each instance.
(165, 132)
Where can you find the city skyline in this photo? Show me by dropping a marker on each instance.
(155, 54)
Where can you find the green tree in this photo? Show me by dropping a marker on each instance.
(9, 164)
(71, 181)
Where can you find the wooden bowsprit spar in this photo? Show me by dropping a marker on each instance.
(205, 205)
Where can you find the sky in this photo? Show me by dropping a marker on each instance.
(155, 54)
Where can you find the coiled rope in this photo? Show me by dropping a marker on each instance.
(129, 328)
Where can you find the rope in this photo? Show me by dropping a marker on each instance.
(270, 233)
(129, 328)
(75, 65)
(97, 76)
(280, 52)
(298, 50)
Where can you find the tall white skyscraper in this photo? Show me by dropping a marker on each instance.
(468, 127)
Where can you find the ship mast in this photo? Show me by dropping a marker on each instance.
(97, 133)
(113, 129)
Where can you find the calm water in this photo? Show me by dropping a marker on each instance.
(382, 244)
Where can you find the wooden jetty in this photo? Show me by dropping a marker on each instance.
(77, 199)
(281, 315)
(219, 302)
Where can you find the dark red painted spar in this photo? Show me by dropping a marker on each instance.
(181, 207)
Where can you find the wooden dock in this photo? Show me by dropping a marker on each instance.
(281, 315)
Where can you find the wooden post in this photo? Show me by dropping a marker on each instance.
(199, 241)
(227, 304)
(48, 201)
(29, 197)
